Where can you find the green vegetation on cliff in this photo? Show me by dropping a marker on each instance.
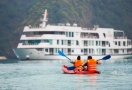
(15, 14)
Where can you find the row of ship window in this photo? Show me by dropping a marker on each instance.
(123, 42)
(72, 42)
(71, 50)
(68, 34)
(71, 34)
(68, 42)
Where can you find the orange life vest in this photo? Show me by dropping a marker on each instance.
(78, 64)
(91, 65)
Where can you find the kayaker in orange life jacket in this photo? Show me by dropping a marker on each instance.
(91, 64)
(78, 64)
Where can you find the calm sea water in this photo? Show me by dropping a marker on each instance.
(47, 75)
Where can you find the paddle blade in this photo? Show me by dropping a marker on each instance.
(71, 68)
(106, 57)
(61, 53)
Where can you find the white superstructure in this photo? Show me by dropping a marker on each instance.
(43, 42)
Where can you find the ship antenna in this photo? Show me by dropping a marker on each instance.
(44, 19)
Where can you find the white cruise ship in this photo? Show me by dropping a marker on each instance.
(43, 42)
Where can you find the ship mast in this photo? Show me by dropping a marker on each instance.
(44, 19)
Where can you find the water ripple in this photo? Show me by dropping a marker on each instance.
(47, 75)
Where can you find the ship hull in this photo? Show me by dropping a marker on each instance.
(33, 54)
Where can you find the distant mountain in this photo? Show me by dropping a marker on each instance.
(15, 14)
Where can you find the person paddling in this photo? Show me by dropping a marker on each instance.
(78, 64)
(91, 64)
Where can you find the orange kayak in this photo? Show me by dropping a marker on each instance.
(64, 69)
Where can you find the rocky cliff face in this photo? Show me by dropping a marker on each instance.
(86, 13)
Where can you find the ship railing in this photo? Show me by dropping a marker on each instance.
(69, 44)
(34, 27)
(30, 43)
(85, 53)
(69, 53)
(51, 53)
(89, 37)
(103, 45)
(120, 37)
(129, 52)
(84, 28)
(33, 35)
(85, 44)
(88, 29)
(103, 53)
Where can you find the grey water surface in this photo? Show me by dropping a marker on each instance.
(48, 75)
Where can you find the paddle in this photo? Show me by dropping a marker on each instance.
(104, 58)
(62, 54)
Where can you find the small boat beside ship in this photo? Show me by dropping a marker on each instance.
(2, 58)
